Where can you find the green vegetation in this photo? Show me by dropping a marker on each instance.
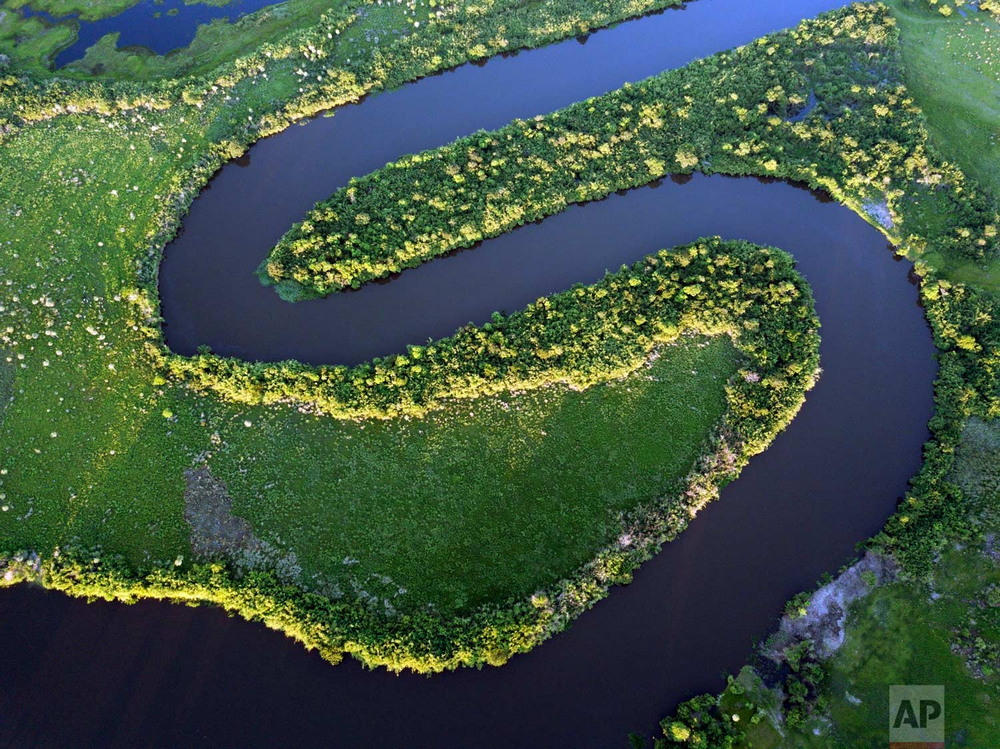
(94, 365)
(412, 496)
(99, 174)
(482, 496)
(938, 623)
(219, 41)
(949, 8)
(6, 386)
(118, 459)
(31, 38)
(942, 629)
(88, 10)
(442, 34)
(902, 636)
(953, 71)
(728, 113)
(33, 42)
(581, 337)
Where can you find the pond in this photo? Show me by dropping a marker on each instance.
(160, 26)
(122, 676)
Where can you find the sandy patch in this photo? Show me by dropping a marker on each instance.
(823, 622)
(218, 534)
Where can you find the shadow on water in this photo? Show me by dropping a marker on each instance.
(156, 674)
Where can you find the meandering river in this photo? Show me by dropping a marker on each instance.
(164, 675)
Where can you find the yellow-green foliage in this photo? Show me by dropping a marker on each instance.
(954, 7)
(734, 288)
(450, 32)
(730, 113)
(583, 336)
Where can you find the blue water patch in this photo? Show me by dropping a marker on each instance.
(972, 5)
(159, 26)
(810, 106)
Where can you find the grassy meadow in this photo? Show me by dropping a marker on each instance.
(486, 500)
(88, 453)
(952, 69)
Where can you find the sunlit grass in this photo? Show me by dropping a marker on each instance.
(484, 500)
(496, 497)
(953, 70)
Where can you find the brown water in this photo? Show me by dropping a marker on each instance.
(100, 675)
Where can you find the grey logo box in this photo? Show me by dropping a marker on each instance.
(916, 715)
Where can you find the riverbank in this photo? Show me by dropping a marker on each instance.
(164, 415)
(483, 30)
(693, 119)
(463, 609)
(937, 624)
(140, 409)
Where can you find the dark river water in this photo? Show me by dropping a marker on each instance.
(80, 675)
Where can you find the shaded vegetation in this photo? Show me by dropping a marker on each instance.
(938, 625)
(438, 491)
(99, 173)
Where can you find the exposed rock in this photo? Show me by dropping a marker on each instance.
(880, 212)
(823, 622)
